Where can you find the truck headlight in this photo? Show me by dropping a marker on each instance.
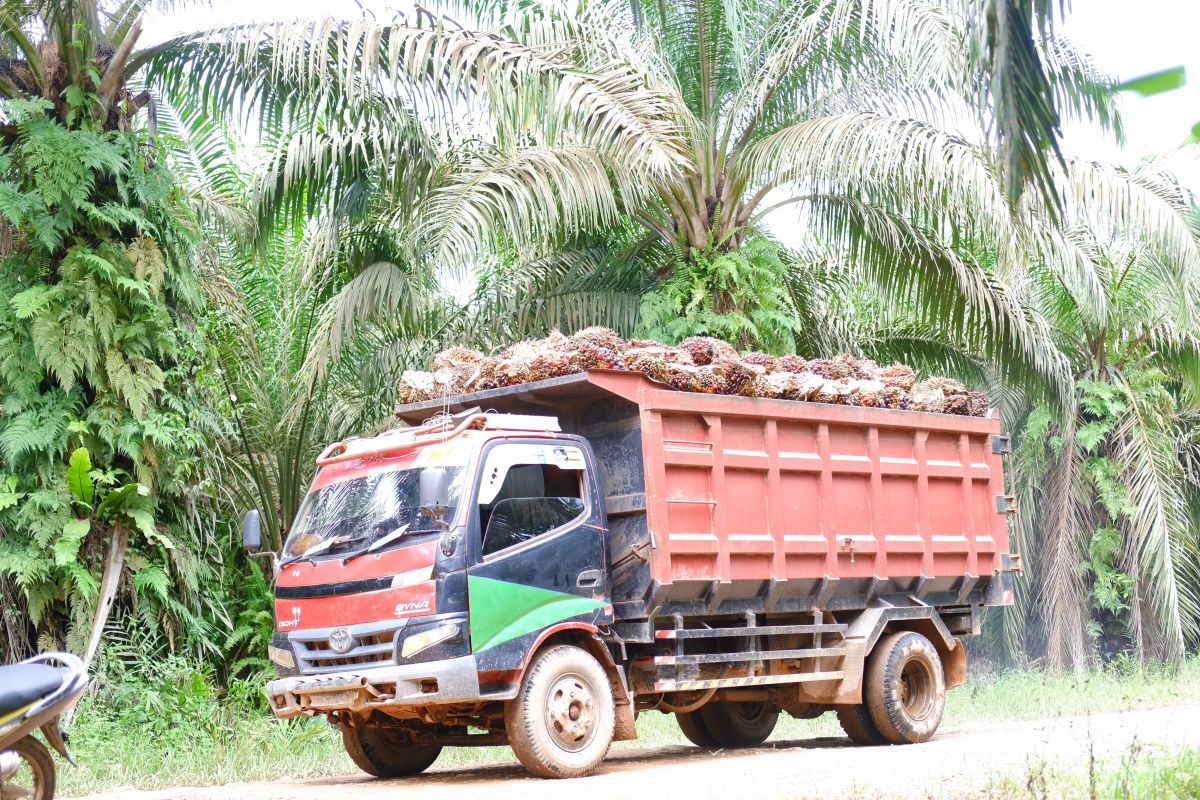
(282, 657)
(426, 639)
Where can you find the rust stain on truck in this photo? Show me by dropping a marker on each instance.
(599, 545)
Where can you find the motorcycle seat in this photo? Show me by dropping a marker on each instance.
(23, 684)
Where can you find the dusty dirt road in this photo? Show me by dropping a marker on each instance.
(957, 760)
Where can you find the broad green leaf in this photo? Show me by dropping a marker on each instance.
(1167, 80)
(144, 521)
(79, 478)
(66, 548)
(10, 499)
(115, 500)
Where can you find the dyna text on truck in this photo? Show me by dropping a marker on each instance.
(599, 545)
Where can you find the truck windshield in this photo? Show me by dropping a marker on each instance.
(369, 512)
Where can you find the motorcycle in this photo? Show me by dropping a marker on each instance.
(33, 694)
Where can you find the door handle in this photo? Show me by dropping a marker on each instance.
(589, 579)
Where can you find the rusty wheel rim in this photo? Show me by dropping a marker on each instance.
(18, 777)
(917, 691)
(571, 712)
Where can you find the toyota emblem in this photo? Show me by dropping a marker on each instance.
(340, 641)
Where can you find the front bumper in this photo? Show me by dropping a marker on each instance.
(448, 681)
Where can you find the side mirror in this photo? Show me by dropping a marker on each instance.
(252, 530)
(435, 491)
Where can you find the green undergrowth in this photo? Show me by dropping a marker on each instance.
(1143, 773)
(174, 727)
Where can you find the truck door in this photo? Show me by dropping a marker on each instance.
(539, 548)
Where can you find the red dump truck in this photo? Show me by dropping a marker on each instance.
(538, 564)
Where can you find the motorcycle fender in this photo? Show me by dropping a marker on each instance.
(57, 739)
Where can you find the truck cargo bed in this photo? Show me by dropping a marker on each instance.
(720, 504)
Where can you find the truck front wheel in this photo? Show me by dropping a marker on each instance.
(387, 752)
(561, 723)
(905, 688)
(739, 724)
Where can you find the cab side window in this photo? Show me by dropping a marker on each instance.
(529, 491)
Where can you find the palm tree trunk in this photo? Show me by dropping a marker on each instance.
(114, 561)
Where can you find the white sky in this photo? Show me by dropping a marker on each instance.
(1128, 38)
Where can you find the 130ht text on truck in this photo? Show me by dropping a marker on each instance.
(598, 545)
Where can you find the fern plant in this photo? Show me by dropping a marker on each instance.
(101, 415)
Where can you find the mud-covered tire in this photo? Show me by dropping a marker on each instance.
(905, 688)
(693, 727)
(560, 725)
(856, 722)
(739, 724)
(39, 768)
(387, 752)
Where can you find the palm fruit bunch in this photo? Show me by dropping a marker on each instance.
(834, 391)
(654, 362)
(978, 404)
(927, 398)
(698, 364)
(453, 357)
(791, 363)
(589, 355)
(830, 369)
(598, 336)
(739, 378)
(893, 397)
(865, 393)
(896, 375)
(861, 368)
(415, 386)
(706, 350)
(769, 363)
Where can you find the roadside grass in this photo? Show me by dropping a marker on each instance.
(172, 728)
(1143, 773)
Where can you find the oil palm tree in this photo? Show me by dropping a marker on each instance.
(1106, 527)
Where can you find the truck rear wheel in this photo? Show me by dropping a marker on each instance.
(561, 723)
(856, 722)
(387, 752)
(693, 727)
(905, 688)
(739, 724)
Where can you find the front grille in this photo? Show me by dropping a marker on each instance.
(373, 647)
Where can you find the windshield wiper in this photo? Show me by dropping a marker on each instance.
(319, 547)
(378, 543)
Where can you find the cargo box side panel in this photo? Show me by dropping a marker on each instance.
(778, 501)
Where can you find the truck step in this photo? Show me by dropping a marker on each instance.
(757, 680)
(758, 655)
(764, 630)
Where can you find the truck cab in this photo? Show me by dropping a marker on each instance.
(426, 565)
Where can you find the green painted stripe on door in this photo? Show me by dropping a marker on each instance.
(501, 611)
